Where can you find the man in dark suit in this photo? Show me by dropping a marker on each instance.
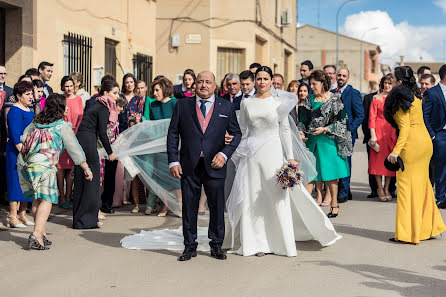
(355, 112)
(202, 159)
(46, 71)
(306, 68)
(3, 136)
(247, 84)
(234, 94)
(434, 113)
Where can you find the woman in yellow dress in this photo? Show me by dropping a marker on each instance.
(417, 215)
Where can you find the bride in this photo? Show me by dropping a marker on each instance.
(264, 218)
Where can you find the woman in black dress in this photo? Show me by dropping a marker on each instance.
(94, 123)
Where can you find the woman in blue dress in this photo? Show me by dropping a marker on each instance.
(18, 118)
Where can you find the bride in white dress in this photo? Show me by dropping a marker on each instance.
(264, 218)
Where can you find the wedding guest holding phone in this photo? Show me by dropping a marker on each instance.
(382, 140)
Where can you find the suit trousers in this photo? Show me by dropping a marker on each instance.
(109, 183)
(191, 191)
(344, 183)
(440, 166)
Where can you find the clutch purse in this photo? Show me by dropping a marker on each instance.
(374, 147)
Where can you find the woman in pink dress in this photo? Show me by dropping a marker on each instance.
(382, 141)
(65, 166)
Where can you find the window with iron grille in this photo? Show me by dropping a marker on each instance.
(110, 56)
(143, 67)
(77, 57)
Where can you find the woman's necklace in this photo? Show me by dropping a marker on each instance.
(21, 106)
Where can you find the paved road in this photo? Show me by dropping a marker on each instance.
(92, 263)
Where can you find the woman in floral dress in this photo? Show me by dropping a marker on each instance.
(43, 141)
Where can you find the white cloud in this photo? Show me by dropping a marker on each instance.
(441, 4)
(395, 40)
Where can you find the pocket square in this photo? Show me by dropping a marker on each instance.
(222, 116)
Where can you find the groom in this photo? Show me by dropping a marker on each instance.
(200, 123)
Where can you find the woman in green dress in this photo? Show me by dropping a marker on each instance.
(324, 121)
(43, 141)
(162, 108)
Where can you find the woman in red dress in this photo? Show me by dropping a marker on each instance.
(383, 138)
(65, 166)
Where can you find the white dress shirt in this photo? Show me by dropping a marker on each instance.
(235, 96)
(209, 103)
(253, 91)
(342, 89)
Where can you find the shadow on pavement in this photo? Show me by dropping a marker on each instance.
(366, 233)
(404, 282)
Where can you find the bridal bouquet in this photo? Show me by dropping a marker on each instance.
(289, 175)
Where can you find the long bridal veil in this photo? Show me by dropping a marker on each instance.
(142, 151)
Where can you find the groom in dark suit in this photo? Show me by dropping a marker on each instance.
(434, 113)
(201, 123)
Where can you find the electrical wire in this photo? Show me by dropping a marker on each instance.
(67, 7)
(228, 22)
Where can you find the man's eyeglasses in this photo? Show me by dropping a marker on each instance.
(4, 73)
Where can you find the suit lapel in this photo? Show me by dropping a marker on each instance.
(193, 107)
(215, 113)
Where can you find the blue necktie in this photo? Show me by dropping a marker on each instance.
(203, 107)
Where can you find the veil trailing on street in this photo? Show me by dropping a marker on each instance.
(251, 143)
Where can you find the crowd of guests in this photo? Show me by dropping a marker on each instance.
(38, 125)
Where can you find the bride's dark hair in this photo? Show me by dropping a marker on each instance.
(405, 75)
(265, 69)
(53, 111)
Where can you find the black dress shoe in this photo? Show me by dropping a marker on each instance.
(441, 205)
(217, 253)
(373, 195)
(108, 210)
(188, 253)
(342, 199)
(350, 196)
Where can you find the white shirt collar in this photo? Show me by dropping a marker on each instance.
(443, 87)
(252, 92)
(237, 95)
(211, 99)
(334, 85)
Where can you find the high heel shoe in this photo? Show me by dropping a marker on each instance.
(162, 214)
(331, 214)
(11, 225)
(25, 221)
(46, 241)
(33, 243)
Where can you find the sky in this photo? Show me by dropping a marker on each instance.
(415, 29)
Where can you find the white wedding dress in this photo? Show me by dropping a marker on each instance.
(263, 216)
